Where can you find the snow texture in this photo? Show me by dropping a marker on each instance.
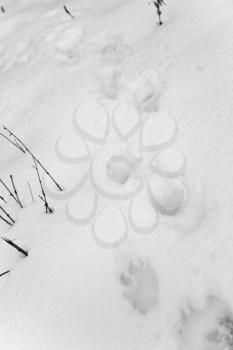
(134, 121)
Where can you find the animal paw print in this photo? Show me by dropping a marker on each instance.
(65, 41)
(210, 328)
(20, 53)
(140, 284)
(222, 336)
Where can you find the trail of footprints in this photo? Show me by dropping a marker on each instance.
(131, 157)
(125, 154)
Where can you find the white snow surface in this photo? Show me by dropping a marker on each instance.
(142, 291)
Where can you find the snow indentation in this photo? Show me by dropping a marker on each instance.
(140, 285)
(208, 328)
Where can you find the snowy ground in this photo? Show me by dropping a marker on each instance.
(134, 120)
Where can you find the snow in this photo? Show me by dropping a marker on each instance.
(146, 90)
(81, 209)
(71, 148)
(168, 196)
(107, 185)
(111, 268)
(142, 285)
(91, 120)
(69, 176)
(169, 162)
(109, 228)
(158, 131)
(143, 216)
(126, 120)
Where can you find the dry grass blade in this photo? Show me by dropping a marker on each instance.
(37, 160)
(13, 143)
(3, 199)
(8, 215)
(4, 273)
(30, 191)
(48, 210)
(15, 191)
(9, 191)
(11, 243)
(6, 221)
(68, 12)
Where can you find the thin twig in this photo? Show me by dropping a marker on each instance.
(41, 198)
(9, 191)
(37, 160)
(3, 199)
(15, 191)
(8, 215)
(30, 191)
(24, 252)
(6, 221)
(158, 4)
(48, 210)
(4, 273)
(68, 12)
(13, 143)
